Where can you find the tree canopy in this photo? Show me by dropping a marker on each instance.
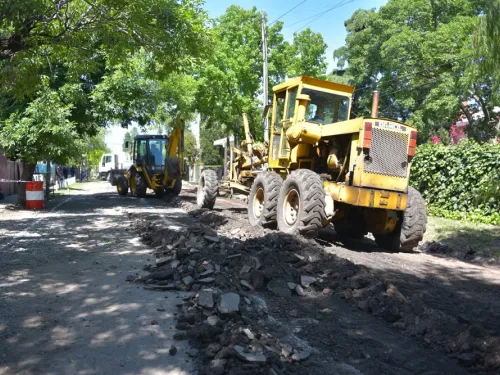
(231, 80)
(420, 54)
(90, 63)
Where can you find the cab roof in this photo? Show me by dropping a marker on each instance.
(151, 136)
(314, 82)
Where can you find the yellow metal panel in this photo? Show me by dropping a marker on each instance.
(344, 127)
(384, 182)
(363, 197)
(300, 151)
(314, 82)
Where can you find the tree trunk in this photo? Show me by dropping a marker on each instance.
(26, 174)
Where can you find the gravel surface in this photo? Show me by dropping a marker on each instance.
(103, 284)
(65, 307)
(355, 305)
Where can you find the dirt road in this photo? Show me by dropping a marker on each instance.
(65, 307)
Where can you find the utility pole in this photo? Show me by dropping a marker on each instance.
(264, 73)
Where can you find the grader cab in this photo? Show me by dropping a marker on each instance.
(324, 168)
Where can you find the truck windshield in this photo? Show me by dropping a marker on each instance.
(326, 108)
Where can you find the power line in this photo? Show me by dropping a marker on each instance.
(284, 14)
(319, 15)
(305, 19)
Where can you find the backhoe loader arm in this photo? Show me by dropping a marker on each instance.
(175, 152)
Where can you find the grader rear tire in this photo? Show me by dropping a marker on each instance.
(140, 186)
(411, 230)
(301, 204)
(263, 199)
(207, 189)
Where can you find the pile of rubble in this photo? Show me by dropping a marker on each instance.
(226, 266)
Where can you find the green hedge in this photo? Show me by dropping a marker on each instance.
(459, 182)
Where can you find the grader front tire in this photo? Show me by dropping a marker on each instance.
(263, 199)
(301, 204)
(411, 230)
(207, 189)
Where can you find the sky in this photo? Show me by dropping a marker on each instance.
(330, 24)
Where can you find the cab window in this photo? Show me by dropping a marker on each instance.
(326, 108)
(292, 95)
(141, 150)
(157, 151)
(280, 109)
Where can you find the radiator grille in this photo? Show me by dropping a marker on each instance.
(388, 153)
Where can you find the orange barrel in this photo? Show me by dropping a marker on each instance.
(34, 195)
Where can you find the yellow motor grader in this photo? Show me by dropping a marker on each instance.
(321, 167)
(157, 164)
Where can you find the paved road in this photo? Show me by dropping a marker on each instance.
(65, 307)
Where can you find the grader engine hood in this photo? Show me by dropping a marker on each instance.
(384, 153)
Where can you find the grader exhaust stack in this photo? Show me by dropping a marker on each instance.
(376, 95)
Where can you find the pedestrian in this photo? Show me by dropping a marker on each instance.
(60, 177)
(83, 174)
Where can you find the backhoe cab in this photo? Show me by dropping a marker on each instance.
(323, 167)
(157, 164)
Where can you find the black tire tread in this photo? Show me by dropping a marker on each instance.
(123, 180)
(209, 191)
(414, 222)
(312, 214)
(176, 189)
(140, 186)
(410, 231)
(271, 183)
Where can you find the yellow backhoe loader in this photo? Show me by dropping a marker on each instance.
(157, 164)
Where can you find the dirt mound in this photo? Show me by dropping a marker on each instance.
(222, 254)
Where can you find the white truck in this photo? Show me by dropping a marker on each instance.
(113, 162)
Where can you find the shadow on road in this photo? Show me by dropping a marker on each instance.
(65, 307)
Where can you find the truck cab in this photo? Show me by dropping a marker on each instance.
(113, 162)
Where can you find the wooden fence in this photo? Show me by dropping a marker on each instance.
(9, 170)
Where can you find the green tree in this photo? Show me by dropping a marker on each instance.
(127, 140)
(419, 54)
(191, 150)
(231, 80)
(210, 154)
(310, 59)
(59, 63)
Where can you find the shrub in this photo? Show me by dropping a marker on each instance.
(459, 182)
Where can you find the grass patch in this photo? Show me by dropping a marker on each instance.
(484, 239)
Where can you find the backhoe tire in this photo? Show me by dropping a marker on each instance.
(122, 185)
(410, 231)
(301, 204)
(160, 192)
(140, 186)
(263, 199)
(176, 189)
(207, 189)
